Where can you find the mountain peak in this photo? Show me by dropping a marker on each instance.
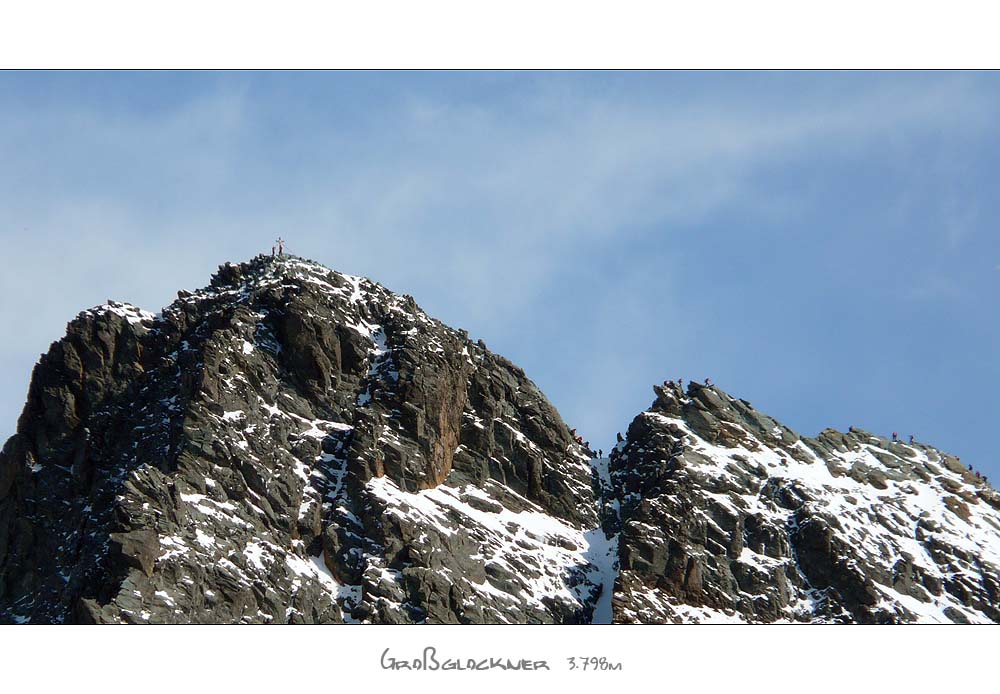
(739, 518)
(291, 444)
(286, 435)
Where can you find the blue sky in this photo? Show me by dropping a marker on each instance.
(824, 245)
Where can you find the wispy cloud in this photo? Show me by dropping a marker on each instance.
(497, 210)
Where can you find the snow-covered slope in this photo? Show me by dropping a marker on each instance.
(729, 516)
(291, 444)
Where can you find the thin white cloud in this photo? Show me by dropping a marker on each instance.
(475, 208)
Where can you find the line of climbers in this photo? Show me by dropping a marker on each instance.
(984, 478)
(613, 454)
(680, 383)
(280, 243)
(579, 440)
(895, 438)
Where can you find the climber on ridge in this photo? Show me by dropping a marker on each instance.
(895, 437)
(281, 245)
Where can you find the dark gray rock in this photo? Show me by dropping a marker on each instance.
(294, 445)
(726, 515)
(238, 457)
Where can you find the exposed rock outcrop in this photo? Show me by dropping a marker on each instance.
(726, 515)
(289, 444)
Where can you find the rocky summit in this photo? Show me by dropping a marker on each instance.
(295, 445)
(726, 515)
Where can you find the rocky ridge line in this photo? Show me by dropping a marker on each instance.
(728, 515)
(290, 444)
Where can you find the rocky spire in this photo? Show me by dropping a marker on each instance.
(288, 444)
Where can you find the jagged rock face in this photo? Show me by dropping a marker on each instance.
(291, 444)
(726, 515)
